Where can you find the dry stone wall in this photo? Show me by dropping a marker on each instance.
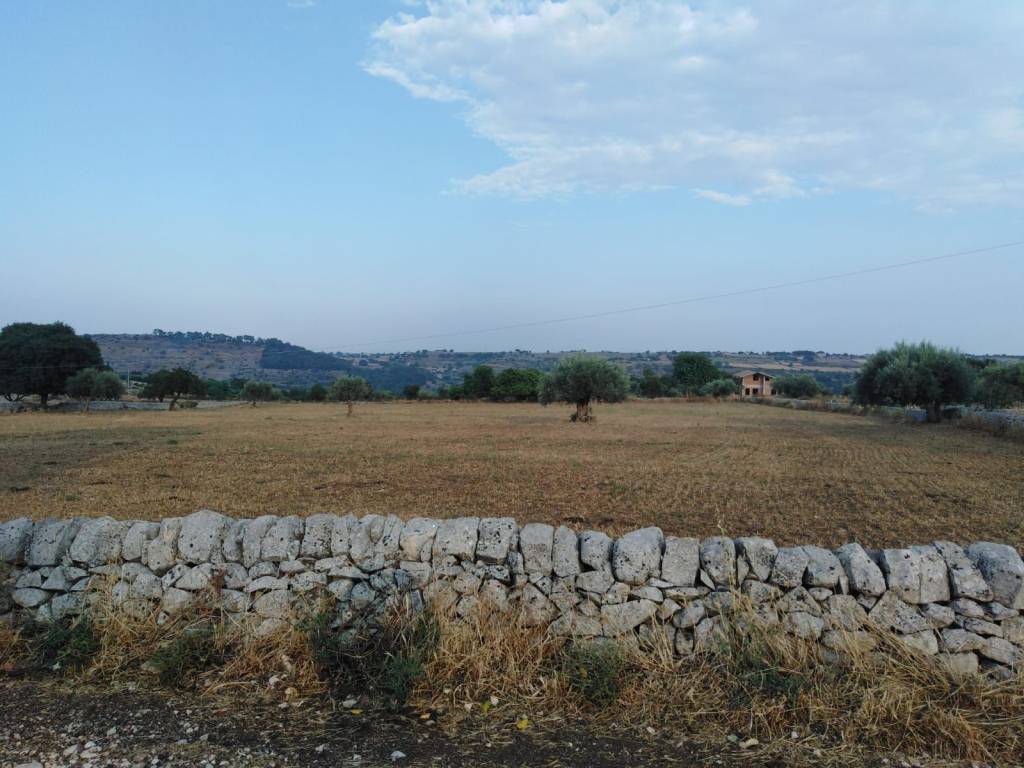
(962, 604)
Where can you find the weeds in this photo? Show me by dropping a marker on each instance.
(186, 655)
(63, 645)
(597, 671)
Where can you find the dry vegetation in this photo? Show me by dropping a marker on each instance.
(691, 468)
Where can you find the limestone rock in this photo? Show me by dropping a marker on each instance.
(939, 615)
(924, 641)
(136, 539)
(316, 539)
(231, 547)
(1000, 650)
(965, 579)
(624, 617)
(963, 664)
(799, 600)
(201, 537)
(637, 555)
(891, 612)
(790, 564)
(1013, 629)
(759, 554)
(803, 625)
(175, 600)
(865, 577)
(961, 641)
(576, 625)
(537, 610)
(98, 541)
(252, 538)
(1002, 569)
(282, 540)
(680, 561)
(596, 550)
(273, 605)
(690, 616)
(536, 542)
(934, 574)
(50, 541)
(718, 559)
(497, 538)
(196, 578)
(162, 552)
(823, 568)
(565, 553)
(341, 536)
(457, 538)
(15, 536)
(30, 597)
(597, 582)
(847, 612)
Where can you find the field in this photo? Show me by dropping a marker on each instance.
(691, 468)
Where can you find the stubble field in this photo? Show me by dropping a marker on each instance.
(691, 468)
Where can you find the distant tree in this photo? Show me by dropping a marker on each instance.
(1001, 386)
(411, 391)
(348, 389)
(519, 384)
(802, 386)
(174, 384)
(38, 359)
(318, 393)
(581, 379)
(259, 392)
(692, 370)
(91, 384)
(915, 374)
(651, 384)
(720, 388)
(479, 382)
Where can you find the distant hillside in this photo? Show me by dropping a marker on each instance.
(219, 356)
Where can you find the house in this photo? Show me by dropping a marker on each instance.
(756, 384)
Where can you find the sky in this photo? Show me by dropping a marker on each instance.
(387, 175)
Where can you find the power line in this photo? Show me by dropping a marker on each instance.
(693, 299)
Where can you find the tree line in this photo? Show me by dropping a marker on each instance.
(51, 359)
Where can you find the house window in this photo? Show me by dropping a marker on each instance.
(748, 390)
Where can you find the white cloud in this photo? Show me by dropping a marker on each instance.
(782, 99)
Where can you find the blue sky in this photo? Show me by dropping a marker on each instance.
(343, 173)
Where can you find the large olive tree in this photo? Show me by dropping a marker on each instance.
(581, 379)
(38, 359)
(915, 374)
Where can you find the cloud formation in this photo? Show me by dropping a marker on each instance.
(777, 99)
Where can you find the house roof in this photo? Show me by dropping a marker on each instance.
(744, 374)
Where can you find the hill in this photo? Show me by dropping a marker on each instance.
(220, 356)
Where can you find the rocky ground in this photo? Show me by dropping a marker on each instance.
(44, 724)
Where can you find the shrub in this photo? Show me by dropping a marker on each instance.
(65, 645)
(191, 652)
(389, 659)
(259, 391)
(318, 393)
(520, 384)
(596, 670)
(720, 388)
(1001, 386)
(802, 386)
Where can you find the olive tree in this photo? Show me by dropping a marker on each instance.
(259, 392)
(38, 359)
(800, 387)
(348, 389)
(173, 384)
(581, 379)
(90, 384)
(915, 374)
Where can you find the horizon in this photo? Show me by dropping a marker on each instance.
(361, 175)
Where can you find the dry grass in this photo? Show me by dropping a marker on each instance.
(760, 683)
(692, 468)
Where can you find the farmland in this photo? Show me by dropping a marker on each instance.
(692, 468)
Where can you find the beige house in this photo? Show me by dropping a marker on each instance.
(756, 384)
